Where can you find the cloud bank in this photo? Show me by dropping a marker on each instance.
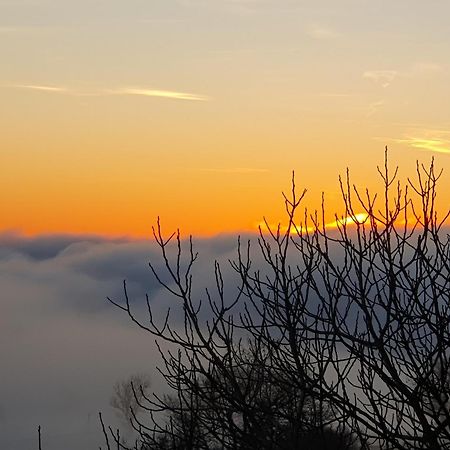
(63, 345)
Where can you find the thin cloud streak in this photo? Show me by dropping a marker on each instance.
(24, 29)
(163, 21)
(385, 78)
(161, 93)
(321, 32)
(174, 95)
(336, 95)
(374, 107)
(43, 88)
(7, 30)
(438, 145)
(235, 170)
(424, 138)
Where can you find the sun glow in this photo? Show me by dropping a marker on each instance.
(357, 219)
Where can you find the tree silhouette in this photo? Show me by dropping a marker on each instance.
(127, 395)
(277, 416)
(340, 338)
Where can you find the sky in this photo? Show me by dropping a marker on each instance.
(116, 112)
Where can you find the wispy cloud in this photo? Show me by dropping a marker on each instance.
(438, 145)
(174, 95)
(426, 68)
(20, 29)
(160, 93)
(21, 2)
(321, 32)
(381, 77)
(162, 20)
(235, 170)
(7, 30)
(374, 107)
(426, 139)
(212, 2)
(37, 87)
(232, 6)
(336, 95)
(385, 78)
(243, 8)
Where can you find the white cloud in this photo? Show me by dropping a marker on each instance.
(425, 139)
(436, 144)
(160, 93)
(43, 88)
(174, 95)
(381, 77)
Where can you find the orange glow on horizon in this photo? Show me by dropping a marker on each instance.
(198, 111)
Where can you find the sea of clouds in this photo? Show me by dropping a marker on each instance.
(63, 345)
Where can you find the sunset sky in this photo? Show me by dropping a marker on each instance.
(113, 112)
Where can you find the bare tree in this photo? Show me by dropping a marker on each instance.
(128, 394)
(341, 335)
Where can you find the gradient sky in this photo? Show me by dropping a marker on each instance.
(113, 112)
